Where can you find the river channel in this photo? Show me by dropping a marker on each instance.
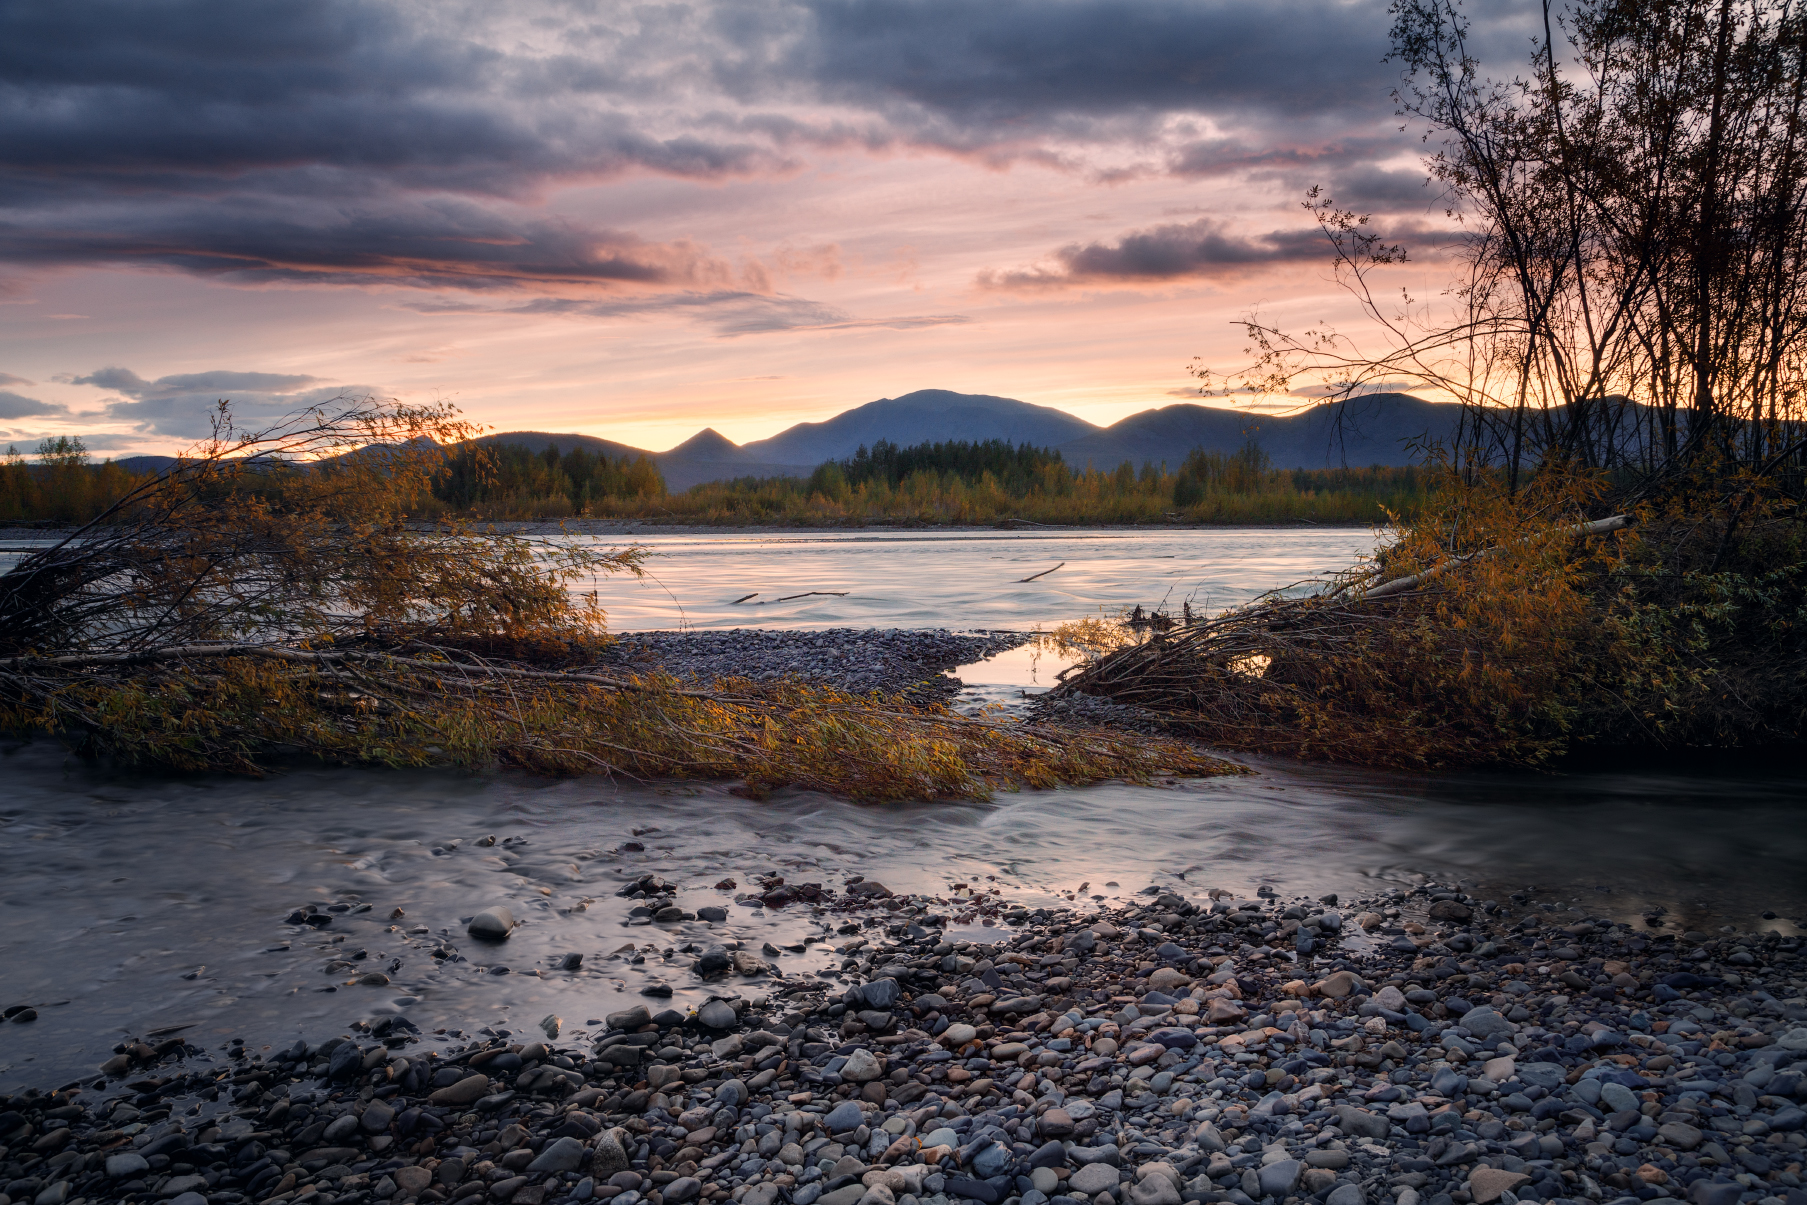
(133, 903)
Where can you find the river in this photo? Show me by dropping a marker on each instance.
(133, 903)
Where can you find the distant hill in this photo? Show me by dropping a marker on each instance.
(1366, 430)
(921, 417)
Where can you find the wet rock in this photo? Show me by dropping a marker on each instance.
(861, 1068)
(843, 1117)
(1449, 910)
(1485, 1184)
(492, 924)
(1093, 1178)
(1278, 1178)
(466, 1091)
(561, 1155)
(630, 1019)
(717, 1014)
(127, 1166)
(607, 1155)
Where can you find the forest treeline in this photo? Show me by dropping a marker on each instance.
(952, 482)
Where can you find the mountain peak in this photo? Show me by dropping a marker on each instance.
(707, 444)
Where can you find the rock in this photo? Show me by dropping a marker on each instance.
(1153, 1190)
(1485, 1184)
(881, 994)
(637, 1017)
(492, 924)
(748, 963)
(127, 1166)
(1680, 1135)
(861, 1068)
(560, 1155)
(1616, 1098)
(1390, 998)
(1346, 1194)
(1486, 1023)
(1055, 1123)
(733, 1093)
(1093, 1178)
(190, 1197)
(1166, 979)
(843, 1117)
(411, 1181)
(1044, 1181)
(376, 1118)
(1499, 1070)
(552, 1023)
(341, 1128)
(1709, 1192)
(1451, 910)
(345, 1061)
(1361, 1123)
(958, 1035)
(683, 1188)
(1222, 1011)
(1278, 1178)
(468, 1090)
(607, 1155)
(1334, 1160)
(718, 1014)
(176, 1186)
(1335, 987)
(712, 913)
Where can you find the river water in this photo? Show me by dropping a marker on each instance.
(132, 903)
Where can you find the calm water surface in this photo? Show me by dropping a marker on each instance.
(131, 903)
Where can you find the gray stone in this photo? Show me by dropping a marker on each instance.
(714, 961)
(1277, 1179)
(1153, 1190)
(712, 913)
(1618, 1098)
(176, 1186)
(57, 1193)
(881, 993)
(127, 1166)
(733, 1093)
(1680, 1135)
(607, 1155)
(492, 924)
(630, 1019)
(683, 1188)
(341, 1128)
(1542, 1075)
(718, 1014)
(1360, 1123)
(990, 1161)
(1093, 1178)
(1708, 1192)
(847, 1195)
(376, 1118)
(861, 1068)
(1346, 1194)
(189, 1198)
(563, 1155)
(843, 1117)
(1486, 1022)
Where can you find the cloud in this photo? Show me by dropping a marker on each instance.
(101, 442)
(182, 405)
(728, 312)
(7, 378)
(14, 405)
(412, 142)
(1202, 248)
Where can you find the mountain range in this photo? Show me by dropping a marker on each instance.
(1373, 429)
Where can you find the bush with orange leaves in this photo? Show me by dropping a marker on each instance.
(1516, 628)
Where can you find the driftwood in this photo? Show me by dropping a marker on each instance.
(1400, 585)
(1043, 573)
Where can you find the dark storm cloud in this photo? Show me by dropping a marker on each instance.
(407, 142)
(181, 405)
(1172, 252)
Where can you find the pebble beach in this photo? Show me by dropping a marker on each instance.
(1418, 1047)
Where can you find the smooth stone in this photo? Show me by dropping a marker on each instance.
(562, 1155)
(881, 994)
(861, 1068)
(191, 1185)
(341, 1128)
(717, 1014)
(492, 924)
(683, 1188)
(1485, 1184)
(843, 1117)
(958, 1034)
(1619, 1097)
(712, 913)
(468, 1090)
(126, 1166)
(411, 1181)
(1346, 1194)
(1153, 1190)
(1044, 1180)
(1680, 1135)
(1093, 1178)
(1486, 1022)
(191, 1197)
(630, 1019)
(607, 1155)
(376, 1118)
(1278, 1179)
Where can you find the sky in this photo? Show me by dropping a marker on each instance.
(638, 220)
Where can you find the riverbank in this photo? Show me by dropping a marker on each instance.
(1410, 1047)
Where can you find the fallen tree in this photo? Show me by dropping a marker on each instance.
(1499, 637)
(271, 595)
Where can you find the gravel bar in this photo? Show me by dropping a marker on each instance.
(857, 660)
(1411, 1047)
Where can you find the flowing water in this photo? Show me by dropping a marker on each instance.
(132, 903)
